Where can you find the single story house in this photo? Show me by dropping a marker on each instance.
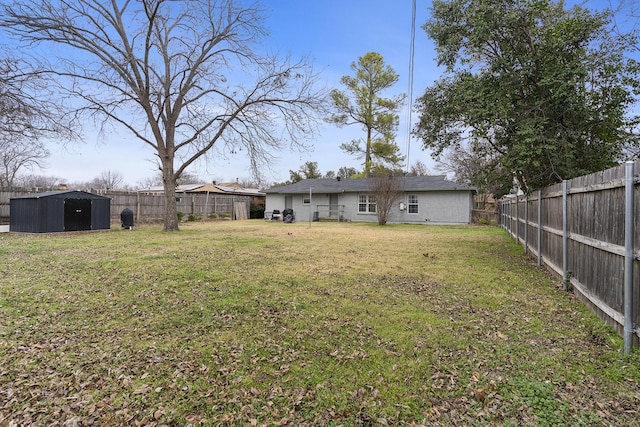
(426, 200)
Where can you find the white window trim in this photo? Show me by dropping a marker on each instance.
(417, 204)
(367, 203)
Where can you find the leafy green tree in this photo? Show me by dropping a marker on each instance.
(539, 90)
(362, 104)
(307, 171)
(347, 172)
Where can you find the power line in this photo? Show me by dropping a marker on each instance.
(411, 67)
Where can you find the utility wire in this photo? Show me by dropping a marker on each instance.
(412, 43)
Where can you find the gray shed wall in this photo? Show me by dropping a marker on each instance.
(46, 214)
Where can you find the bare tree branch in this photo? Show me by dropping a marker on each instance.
(182, 77)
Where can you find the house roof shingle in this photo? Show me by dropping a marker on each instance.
(411, 183)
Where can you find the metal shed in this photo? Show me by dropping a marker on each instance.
(57, 211)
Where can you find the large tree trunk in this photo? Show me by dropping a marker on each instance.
(170, 205)
(132, 71)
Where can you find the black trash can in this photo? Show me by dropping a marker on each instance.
(126, 217)
(288, 216)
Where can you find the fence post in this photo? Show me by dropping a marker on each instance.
(505, 207)
(517, 221)
(526, 224)
(628, 256)
(566, 274)
(511, 213)
(504, 215)
(539, 228)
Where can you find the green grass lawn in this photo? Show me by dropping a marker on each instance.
(264, 323)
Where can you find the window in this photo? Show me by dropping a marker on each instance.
(366, 203)
(412, 203)
(306, 199)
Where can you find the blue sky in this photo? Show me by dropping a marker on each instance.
(332, 34)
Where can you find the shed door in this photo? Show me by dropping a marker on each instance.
(77, 214)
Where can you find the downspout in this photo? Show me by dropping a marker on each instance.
(310, 208)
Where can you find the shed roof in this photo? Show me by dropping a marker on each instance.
(351, 185)
(76, 194)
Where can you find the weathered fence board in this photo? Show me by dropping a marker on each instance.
(150, 207)
(585, 241)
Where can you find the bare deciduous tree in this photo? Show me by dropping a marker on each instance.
(27, 113)
(108, 180)
(473, 166)
(387, 189)
(39, 182)
(418, 169)
(182, 77)
(17, 155)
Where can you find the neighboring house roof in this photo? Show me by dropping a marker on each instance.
(351, 185)
(242, 191)
(199, 188)
(207, 188)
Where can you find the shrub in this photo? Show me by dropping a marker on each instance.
(191, 217)
(256, 210)
(180, 215)
(213, 215)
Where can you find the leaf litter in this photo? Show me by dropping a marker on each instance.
(94, 344)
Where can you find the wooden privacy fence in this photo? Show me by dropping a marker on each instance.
(5, 196)
(585, 229)
(150, 207)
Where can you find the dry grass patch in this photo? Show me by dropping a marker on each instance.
(263, 323)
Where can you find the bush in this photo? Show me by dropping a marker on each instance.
(256, 210)
(180, 215)
(226, 216)
(213, 215)
(191, 217)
